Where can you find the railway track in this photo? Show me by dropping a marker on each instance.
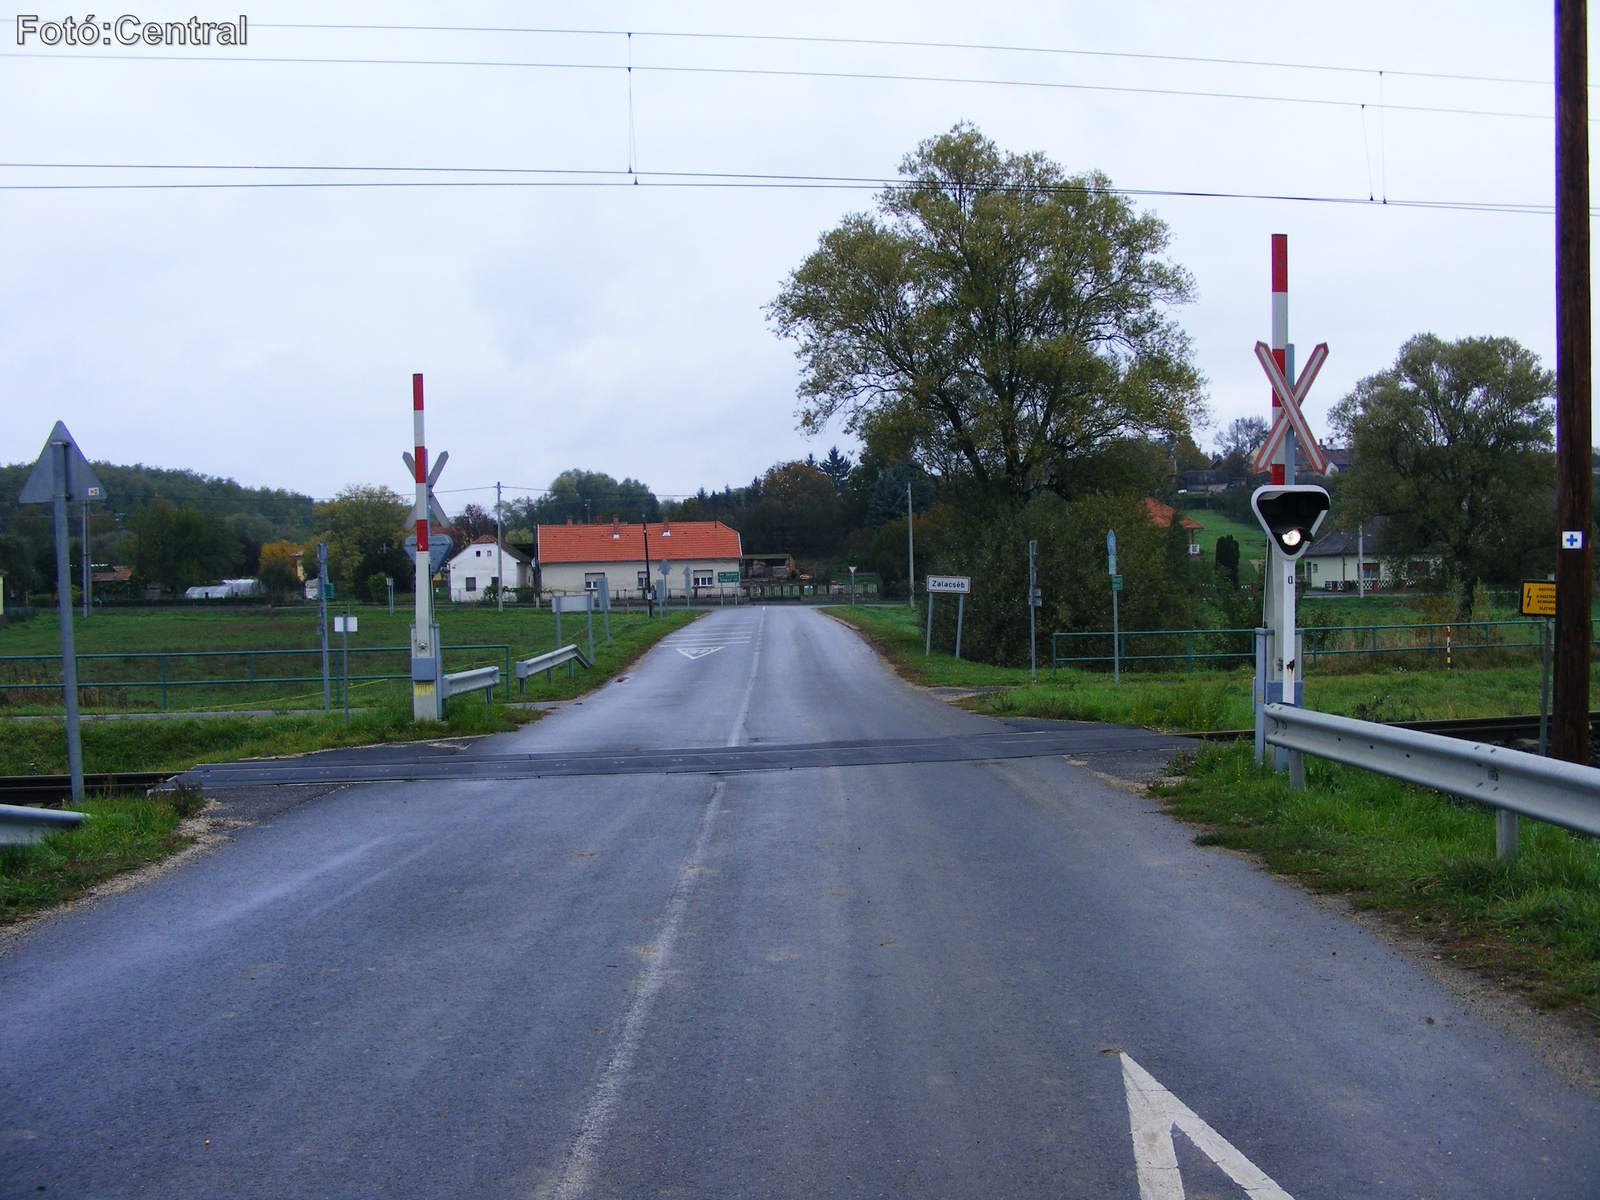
(53, 791)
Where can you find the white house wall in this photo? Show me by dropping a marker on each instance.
(481, 567)
(622, 578)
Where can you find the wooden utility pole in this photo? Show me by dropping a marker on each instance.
(1574, 557)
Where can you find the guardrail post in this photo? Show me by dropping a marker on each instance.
(1505, 835)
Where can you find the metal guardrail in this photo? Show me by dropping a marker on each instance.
(57, 789)
(1512, 781)
(547, 663)
(20, 825)
(479, 679)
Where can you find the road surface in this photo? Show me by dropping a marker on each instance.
(941, 979)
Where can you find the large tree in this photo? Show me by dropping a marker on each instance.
(181, 548)
(997, 318)
(1452, 445)
(366, 535)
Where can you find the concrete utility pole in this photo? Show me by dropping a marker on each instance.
(649, 598)
(1574, 557)
(322, 615)
(499, 555)
(911, 556)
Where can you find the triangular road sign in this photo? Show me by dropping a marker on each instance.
(1154, 1113)
(80, 483)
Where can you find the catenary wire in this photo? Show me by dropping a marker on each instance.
(898, 43)
(870, 76)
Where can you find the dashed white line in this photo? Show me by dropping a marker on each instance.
(583, 1157)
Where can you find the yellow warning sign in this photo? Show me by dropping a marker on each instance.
(1538, 598)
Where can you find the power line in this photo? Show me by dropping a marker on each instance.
(871, 76)
(581, 178)
(917, 45)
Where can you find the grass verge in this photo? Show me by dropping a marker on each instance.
(1424, 860)
(1205, 700)
(122, 833)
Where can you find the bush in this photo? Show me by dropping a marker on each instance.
(993, 549)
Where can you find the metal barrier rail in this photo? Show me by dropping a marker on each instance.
(20, 825)
(548, 663)
(479, 679)
(1513, 781)
(1441, 636)
(251, 679)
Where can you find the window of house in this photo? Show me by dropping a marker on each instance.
(591, 580)
(702, 579)
(494, 580)
(644, 581)
(472, 583)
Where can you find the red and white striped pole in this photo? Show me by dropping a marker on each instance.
(1280, 331)
(424, 653)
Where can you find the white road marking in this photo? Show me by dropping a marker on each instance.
(1153, 1113)
(750, 688)
(697, 652)
(582, 1159)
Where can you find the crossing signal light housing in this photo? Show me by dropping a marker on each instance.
(1290, 514)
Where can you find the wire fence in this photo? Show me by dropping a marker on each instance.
(1172, 649)
(265, 672)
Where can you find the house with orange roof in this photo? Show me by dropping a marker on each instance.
(1161, 515)
(572, 559)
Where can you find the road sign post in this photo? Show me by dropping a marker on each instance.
(1035, 601)
(61, 474)
(852, 585)
(1539, 600)
(956, 585)
(1116, 586)
(603, 593)
(344, 626)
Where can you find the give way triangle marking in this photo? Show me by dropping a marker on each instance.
(698, 652)
(1154, 1113)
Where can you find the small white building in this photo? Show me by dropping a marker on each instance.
(482, 565)
(574, 558)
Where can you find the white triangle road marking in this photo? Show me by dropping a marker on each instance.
(698, 652)
(1154, 1112)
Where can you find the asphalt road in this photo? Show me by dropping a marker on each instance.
(942, 979)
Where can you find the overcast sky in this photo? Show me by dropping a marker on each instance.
(269, 334)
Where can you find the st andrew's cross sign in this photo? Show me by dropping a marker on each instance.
(1288, 415)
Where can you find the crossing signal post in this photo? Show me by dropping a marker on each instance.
(1290, 515)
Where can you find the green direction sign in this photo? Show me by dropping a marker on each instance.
(1116, 583)
(727, 577)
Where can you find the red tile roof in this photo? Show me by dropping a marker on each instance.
(1162, 514)
(680, 540)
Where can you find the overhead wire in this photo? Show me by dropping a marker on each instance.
(872, 76)
(903, 43)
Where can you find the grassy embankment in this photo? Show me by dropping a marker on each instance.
(122, 834)
(39, 747)
(1422, 859)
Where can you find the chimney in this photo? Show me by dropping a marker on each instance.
(569, 520)
(616, 529)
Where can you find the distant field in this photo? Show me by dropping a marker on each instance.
(517, 633)
(1252, 542)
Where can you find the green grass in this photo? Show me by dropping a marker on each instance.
(1422, 858)
(121, 834)
(1216, 525)
(1410, 690)
(525, 631)
(38, 747)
